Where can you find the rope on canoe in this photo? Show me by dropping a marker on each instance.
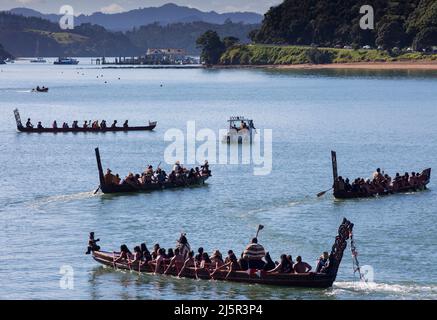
(355, 262)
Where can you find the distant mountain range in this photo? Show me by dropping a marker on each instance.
(34, 36)
(166, 14)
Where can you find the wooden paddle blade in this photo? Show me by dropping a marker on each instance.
(321, 194)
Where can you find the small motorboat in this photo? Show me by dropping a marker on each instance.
(241, 130)
(306, 280)
(38, 89)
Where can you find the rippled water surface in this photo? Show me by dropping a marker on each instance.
(371, 119)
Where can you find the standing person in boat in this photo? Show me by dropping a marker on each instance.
(189, 263)
(254, 253)
(177, 261)
(92, 244)
(183, 245)
(40, 126)
(29, 124)
(300, 266)
(323, 263)
(126, 124)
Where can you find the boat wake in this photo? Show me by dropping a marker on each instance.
(381, 290)
(44, 201)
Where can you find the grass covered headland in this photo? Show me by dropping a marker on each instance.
(259, 54)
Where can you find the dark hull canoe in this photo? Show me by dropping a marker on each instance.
(357, 195)
(342, 194)
(77, 130)
(307, 280)
(131, 187)
(21, 128)
(127, 188)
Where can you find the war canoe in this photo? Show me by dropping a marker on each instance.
(343, 194)
(307, 280)
(127, 188)
(22, 128)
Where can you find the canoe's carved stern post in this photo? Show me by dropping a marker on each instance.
(99, 166)
(18, 119)
(334, 169)
(344, 232)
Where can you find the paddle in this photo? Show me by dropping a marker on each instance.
(323, 192)
(260, 227)
(97, 190)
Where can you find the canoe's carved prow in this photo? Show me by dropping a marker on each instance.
(344, 232)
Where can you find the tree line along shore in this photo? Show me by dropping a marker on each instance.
(278, 55)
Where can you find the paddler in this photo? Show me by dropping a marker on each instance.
(29, 124)
(92, 244)
(253, 254)
(109, 177)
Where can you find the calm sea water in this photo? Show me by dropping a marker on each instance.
(371, 119)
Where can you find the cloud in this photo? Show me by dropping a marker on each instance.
(112, 8)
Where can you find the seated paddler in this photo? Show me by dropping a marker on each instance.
(109, 177)
(323, 263)
(29, 124)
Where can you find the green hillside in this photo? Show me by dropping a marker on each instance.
(328, 23)
(260, 54)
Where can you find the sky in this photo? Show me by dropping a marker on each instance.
(114, 6)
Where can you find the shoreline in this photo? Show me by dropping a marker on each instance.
(407, 65)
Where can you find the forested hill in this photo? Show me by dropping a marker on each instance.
(31, 36)
(184, 35)
(398, 23)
